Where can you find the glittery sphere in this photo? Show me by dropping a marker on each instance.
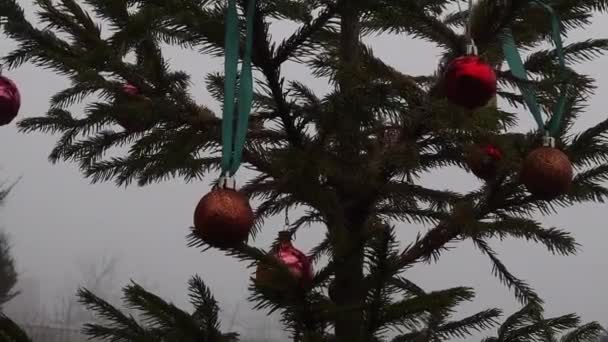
(10, 101)
(547, 172)
(298, 263)
(223, 218)
(469, 82)
(484, 160)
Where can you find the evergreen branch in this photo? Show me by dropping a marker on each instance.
(381, 250)
(11, 332)
(589, 332)
(476, 323)
(545, 329)
(427, 247)
(440, 200)
(263, 57)
(588, 186)
(555, 240)
(407, 286)
(410, 17)
(577, 52)
(118, 323)
(410, 313)
(588, 147)
(114, 11)
(523, 292)
(105, 333)
(519, 319)
(167, 319)
(296, 41)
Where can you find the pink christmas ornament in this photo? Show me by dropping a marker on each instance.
(10, 101)
(130, 89)
(298, 263)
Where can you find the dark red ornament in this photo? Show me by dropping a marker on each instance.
(469, 82)
(10, 100)
(484, 160)
(547, 172)
(223, 218)
(390, 136)
(131, 102)
(298, 263)
(130, 89)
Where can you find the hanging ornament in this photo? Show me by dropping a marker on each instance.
(10, 100)
(134, 109)
(469, 82)
(390, 136)
(223, 218)
(130, 90)
(546, 171)
(484, 160)
(298, 264)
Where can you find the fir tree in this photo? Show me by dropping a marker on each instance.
(331, 154)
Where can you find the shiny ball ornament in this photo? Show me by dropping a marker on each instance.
(223, 218)
(484, 160)
(469, 82)
(298, 263)
(547, 172)
(10, 101)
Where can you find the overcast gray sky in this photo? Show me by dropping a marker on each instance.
(57, 219)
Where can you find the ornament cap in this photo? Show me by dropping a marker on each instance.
(227, 182)
(549, 141)
(285, 236)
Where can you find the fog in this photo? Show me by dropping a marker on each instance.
(62, 227)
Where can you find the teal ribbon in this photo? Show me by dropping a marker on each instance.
(518, 70)
(234, 129)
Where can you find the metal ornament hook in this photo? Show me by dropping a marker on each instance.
(287, 223)
(472, 48)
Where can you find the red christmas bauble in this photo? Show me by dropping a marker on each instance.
(298, 263)
(547, 172)
(469, 82)
(223, 218)
(10, 101)
(483, 160)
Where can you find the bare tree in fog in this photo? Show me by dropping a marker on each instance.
(98, 274)
(8, 273)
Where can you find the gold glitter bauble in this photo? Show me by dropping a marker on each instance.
(547, 172)
(223, 218)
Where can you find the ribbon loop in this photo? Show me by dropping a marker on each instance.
(518, 70)
(236, 112)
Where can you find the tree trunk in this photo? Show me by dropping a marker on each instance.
(349, 296)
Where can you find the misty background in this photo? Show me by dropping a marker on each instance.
(65, 231)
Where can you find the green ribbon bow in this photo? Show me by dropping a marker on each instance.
(517, 69)
(234, 129)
